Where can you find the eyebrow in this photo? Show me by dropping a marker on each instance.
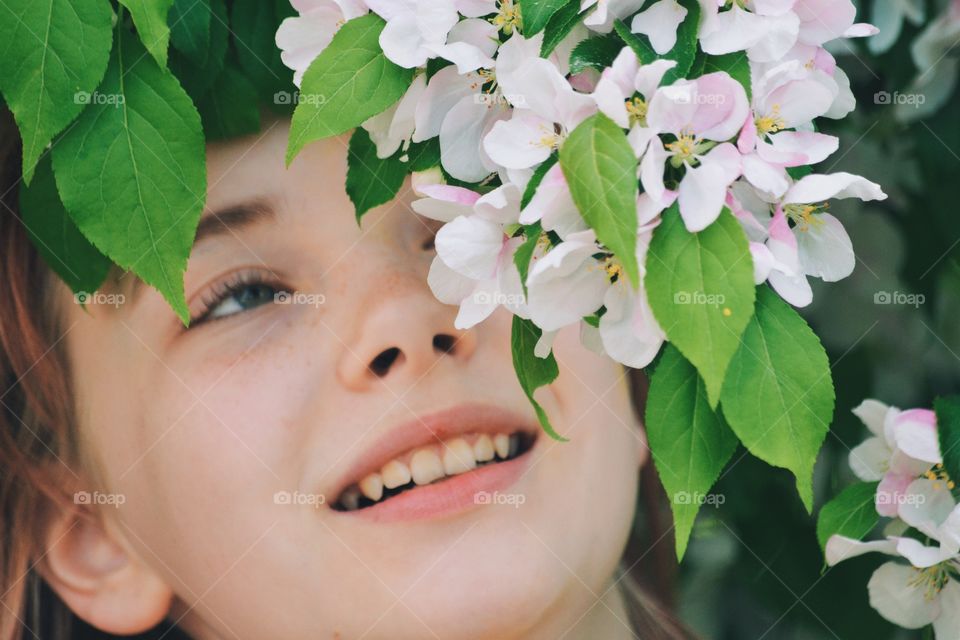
(227, 220)
(233, 218)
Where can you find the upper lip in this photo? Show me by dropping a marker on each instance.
(432, 428)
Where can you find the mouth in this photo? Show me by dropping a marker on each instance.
(444, 454)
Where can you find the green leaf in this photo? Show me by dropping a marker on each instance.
(254, 26)
(533, 372)
(778, 395)
(423, 155)
(601, 169)
(853, 513)
(948, 430)
(230, 107)
(63, 247)
(690, 442)
(189, 22)
(559, 27)
(700, 288)
(524, 253)
(198, 77)
(685, 51)
(736, 64)
(536, 179)
(150, 19)
(597, 52)
(535, 14)
(351, 80)
(371, 181)
(640, 44)
(53, 54)
(133, 174)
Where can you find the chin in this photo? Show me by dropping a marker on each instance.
(501, 591)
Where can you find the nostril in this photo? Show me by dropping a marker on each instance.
(384, 360)
(444, 343)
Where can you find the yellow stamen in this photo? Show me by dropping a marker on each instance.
(771, 123)
(803, 215)
(637, 111)
(508, 17)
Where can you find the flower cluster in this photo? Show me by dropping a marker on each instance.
(908, 483)
(704, 143)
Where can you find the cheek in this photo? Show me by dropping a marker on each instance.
(216, 439)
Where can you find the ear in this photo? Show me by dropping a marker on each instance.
(101, 581)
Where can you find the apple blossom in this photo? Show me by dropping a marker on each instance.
(301, 38)
(698, 114)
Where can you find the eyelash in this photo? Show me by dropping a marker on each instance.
(225, 289)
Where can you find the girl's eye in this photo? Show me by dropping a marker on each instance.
(241, 294)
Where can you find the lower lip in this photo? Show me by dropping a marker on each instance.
(450, 496)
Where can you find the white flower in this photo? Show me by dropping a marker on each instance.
(788, 96)
(699, 114)
(456, 108)
(418, 30)
(765, 30)
(546, 107)
(904, 446)
(301, 38)
(568, 283)
(800, 239)
(925, 592)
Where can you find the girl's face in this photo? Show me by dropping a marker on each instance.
(316, 356)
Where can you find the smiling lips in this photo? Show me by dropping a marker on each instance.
(455, 454)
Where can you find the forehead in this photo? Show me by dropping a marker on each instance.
(312, 189)
(254, 168)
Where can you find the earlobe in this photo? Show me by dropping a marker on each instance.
(98, 579)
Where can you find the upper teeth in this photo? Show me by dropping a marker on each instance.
(428, 464)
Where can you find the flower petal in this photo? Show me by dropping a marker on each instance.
(897, 596)
(825, 249)
(659, 23)
(869, 459)
(471, 246)
(628, 330)
(820, 187)
(840, 548)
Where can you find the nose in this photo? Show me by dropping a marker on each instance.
(401, 337)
